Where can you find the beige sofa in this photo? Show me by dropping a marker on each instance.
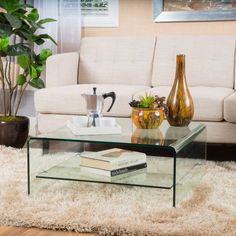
(130, 66)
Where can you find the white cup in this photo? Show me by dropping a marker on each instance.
(80, 121)
(105, 122)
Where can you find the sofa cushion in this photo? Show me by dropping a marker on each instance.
(119, 60)
(209, 60)
(230, 108)
(68, 99)
(208, 101)
(59, 72)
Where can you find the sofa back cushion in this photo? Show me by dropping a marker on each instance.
(209, 60)
(116, 60)
(62, 69)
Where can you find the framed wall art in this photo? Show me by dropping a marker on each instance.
(100, 13)
(194, 10)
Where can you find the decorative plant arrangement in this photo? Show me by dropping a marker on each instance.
(149, 111)
(149, 101)
(20, 65)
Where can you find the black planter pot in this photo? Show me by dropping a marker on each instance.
(14, 132)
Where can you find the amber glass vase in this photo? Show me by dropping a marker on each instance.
(179, 102)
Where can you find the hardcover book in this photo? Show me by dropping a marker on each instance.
(111, 173)
(112, 159)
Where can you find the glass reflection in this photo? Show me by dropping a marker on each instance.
(147, 136)
(174, 133)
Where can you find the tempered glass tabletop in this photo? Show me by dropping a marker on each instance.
(164, 136)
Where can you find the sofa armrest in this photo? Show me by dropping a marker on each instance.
(62, 69)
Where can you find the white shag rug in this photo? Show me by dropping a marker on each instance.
(117, 210)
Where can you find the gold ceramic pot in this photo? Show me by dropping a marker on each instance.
(147, 118)
(179, 102)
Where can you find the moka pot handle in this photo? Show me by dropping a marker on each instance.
(113, 96)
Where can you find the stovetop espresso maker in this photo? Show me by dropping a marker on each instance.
(94, 103)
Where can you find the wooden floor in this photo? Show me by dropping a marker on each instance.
(18, 231)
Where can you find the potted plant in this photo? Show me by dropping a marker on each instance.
(148, 112)
(19, 25)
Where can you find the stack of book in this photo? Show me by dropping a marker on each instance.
(112, 162)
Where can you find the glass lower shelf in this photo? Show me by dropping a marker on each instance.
(158, 174)
(139, 178)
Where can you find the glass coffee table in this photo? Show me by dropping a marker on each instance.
(175, 157)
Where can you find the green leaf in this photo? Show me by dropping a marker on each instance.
(34, 15)
(39, 41)
(10, 5)
(46, 20)
(33, 72)
(35, 26)
(24, 61)
(5, 30)
(21, 79)
(17, 49)
(26, 34)
(4, 43)
(44, 54)
(37, 83)
(20, 8)
(46, 36)
(39, 69)
(14, 21)
(20, 12)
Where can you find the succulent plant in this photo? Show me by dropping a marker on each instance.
(149, 101)
(160, 102)
(134, 103)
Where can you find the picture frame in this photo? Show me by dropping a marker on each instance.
(219, 11)
(100, 13)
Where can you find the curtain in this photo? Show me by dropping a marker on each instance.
(67, 28)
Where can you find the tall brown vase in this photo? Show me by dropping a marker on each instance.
(180, 102)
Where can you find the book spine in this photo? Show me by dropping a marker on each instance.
(127, 162)
(128, 169)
